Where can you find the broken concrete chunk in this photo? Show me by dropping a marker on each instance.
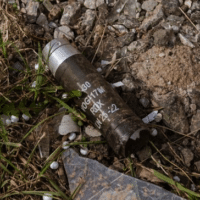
(64, 31)
(149, 5)
(91, 131)
(152, 20)
(70, 14)
(161, 37)
(137, 45)
(67, 125)
(185, 41)
(32, 11)
(102, 183)
(93, 4)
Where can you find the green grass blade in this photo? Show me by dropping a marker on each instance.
(5, 169)
(172, 182)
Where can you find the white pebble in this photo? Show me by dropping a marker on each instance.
(161, 55)
(117, 84)
(8, 122)
(64, 96)
(14, 119)
(25, 117)
(188, 3)
(154, 132)
(158, 117)
(84, 151)
(33, 84)
(176, 178)
(47, 196)
(99, 69)
(36, 66)
(54, 165)
(64, 145)
(72, 136)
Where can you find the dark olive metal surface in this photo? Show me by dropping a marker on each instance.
(125, 132)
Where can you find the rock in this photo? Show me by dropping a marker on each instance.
(42, 21)
(149, 5)
(124, 20)
(54, 10)
(91, 131)
(52, 25)
(120, 29)
(144, 154)
(152, 20)
(93, 4)
(126, 39)
(89, 19)
(130, 8)
(195, 6)
(185, 41)
(32, 11)
(128, 83)
(66, 125)
(173, 22)
(137, 45)
(70, 14)
(188, 3)
(188, 156)
(170, 7)
(193, 107)
(64, 31)
(150, 117)
(161, 37)
(197, 165)
(145, 102)
(34, 30)
(195, 122)
(195, 17)
(158, 117)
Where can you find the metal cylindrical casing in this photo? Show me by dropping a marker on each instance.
(124, 130)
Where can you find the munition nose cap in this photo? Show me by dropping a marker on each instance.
(52, 46)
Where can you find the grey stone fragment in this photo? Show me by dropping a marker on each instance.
(93, 4)
(124, 20)
(138, 45)
(188, 156)
(195, 6)
(102, 183)
(63, 31)
(89, 19)
(42, 21)
(128, 83)
(185, 41)
(130, 8)
(120, 29)
(67, 125)
(170, 7)
(52, 25)
(188, 3)
(126, 39)
(195, 17)
(161, 37)
(149, 5)
(153, 19)
(70, 14)
(32, 11)
(145, 102)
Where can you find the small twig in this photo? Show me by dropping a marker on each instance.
(99, 43)
(188, 19)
